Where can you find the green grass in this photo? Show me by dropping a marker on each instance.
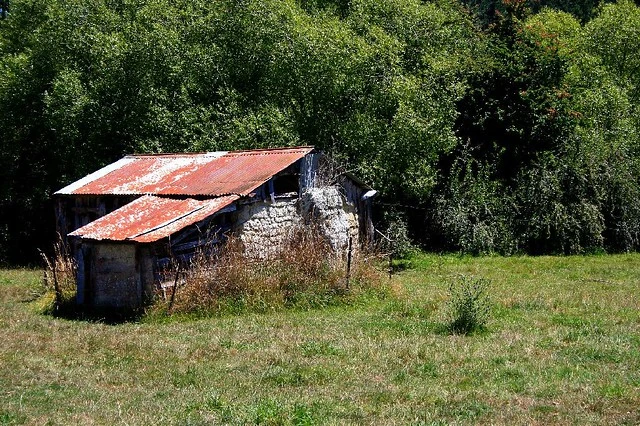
(562, 347)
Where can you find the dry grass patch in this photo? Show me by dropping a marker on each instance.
(304, 272)
(59, 278)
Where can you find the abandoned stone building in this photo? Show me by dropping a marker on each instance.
(128, 220)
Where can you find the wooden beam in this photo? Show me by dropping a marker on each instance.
(272, 191)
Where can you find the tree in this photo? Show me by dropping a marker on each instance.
(614, 37)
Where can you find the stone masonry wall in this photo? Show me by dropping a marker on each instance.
(263, 226)
(116, 282)
(336, 218)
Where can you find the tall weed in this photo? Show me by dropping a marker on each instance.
(469, 305)
(60, 275)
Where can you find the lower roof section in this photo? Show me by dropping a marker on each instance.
(150, 218)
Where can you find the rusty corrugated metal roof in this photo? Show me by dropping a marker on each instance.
(206, 174)
(151, 218)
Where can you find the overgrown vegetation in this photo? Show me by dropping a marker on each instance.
(303, 272)
(59, 280)
(395, 239)
(506, 126)
(562, 347)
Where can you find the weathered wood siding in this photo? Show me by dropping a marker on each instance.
(353, 194)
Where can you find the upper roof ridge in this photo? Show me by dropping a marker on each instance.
(221, 153)
(203, 174)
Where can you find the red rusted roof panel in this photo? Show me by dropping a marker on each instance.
(151, 218)
(208, 174)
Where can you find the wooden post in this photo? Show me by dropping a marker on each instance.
(175, 288)
(392, 248)
(272, 191)
(56, 285)
(349, 255)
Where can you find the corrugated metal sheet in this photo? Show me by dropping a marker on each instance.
(151, 218)
(209, 174)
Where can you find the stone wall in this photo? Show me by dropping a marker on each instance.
(337, 220)
(263, 226)
(115, 275)
(115, 281)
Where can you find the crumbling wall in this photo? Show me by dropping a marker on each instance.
(114, 275)
(337, 219)
(264, 225)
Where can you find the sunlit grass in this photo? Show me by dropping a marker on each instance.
(562, 346)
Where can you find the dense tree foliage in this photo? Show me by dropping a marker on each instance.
(547, 158)
(488, 11)
(507, 126)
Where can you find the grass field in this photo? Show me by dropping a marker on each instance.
(562, 347)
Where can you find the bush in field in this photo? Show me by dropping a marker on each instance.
(397, 230)
(469, 305)
(303, 272)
